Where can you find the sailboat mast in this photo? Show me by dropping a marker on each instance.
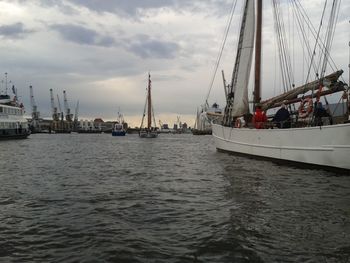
(257, 88)
(149, 109)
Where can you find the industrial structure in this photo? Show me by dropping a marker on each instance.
(35, 122)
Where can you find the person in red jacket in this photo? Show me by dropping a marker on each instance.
(259, 118)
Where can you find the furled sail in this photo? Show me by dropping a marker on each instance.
(241, 73)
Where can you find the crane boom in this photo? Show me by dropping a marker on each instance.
(35, 113)
(54, 112)
(59, 107)
(76, 112)
(68, 116)
(65, 102)
(59, 103)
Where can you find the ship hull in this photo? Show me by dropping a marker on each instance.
(148, 134)
(118, 133)
(9, 134)
(323, 146)
(89, 131)
(201, 132)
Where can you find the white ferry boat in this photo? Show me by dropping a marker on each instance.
(13, 125)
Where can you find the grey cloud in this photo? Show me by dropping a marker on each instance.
(66, 9)
(135, 8)
(16, 30)
(83, 36)
(123, 7)
(146, 47)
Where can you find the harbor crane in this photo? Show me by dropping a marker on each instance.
(35, 112)
(55, 114)
(69, 116)
(59, 107)
(76, 113)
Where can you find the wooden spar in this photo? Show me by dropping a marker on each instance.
(257, 88)
(149, 106)
(338, 88)
(224, 80)
(292, 94)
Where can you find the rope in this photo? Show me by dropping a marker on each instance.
(330, 35)
(285, 60)
(233, 7)
(321, 45)
(144, 111)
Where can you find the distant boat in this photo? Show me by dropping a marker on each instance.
(164, 128)
(118, 130)
(204, 119)
(87, 127)
(120, 127)
(149, 131)
(304, 136)
(13, 125)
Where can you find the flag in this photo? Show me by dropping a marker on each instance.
(13, 89)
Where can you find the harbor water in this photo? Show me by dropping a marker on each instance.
(98, 198)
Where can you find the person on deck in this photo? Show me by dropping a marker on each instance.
(259, 118)
(282, 118)
(319, 112)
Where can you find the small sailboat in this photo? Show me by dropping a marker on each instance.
(119, 129)
(149, 131)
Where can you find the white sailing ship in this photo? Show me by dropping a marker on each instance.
(306, 141)
(205, 117)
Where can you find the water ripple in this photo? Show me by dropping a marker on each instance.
(97, 198)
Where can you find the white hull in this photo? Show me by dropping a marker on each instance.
(325, 145)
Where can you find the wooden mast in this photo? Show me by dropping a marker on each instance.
(149, 109)
(257, 88)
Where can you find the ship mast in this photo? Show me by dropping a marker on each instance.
(149, 109)
(257, 88)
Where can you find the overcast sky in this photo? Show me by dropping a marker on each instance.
(100, 52)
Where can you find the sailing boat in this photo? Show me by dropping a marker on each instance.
(149, 131)
(202, 124)
(205, 117)
(306, 141)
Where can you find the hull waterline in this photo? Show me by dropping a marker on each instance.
(148, 134)
(118, 133)
(323, 145)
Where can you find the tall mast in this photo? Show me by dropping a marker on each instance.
(149, 109)
(257, 88)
